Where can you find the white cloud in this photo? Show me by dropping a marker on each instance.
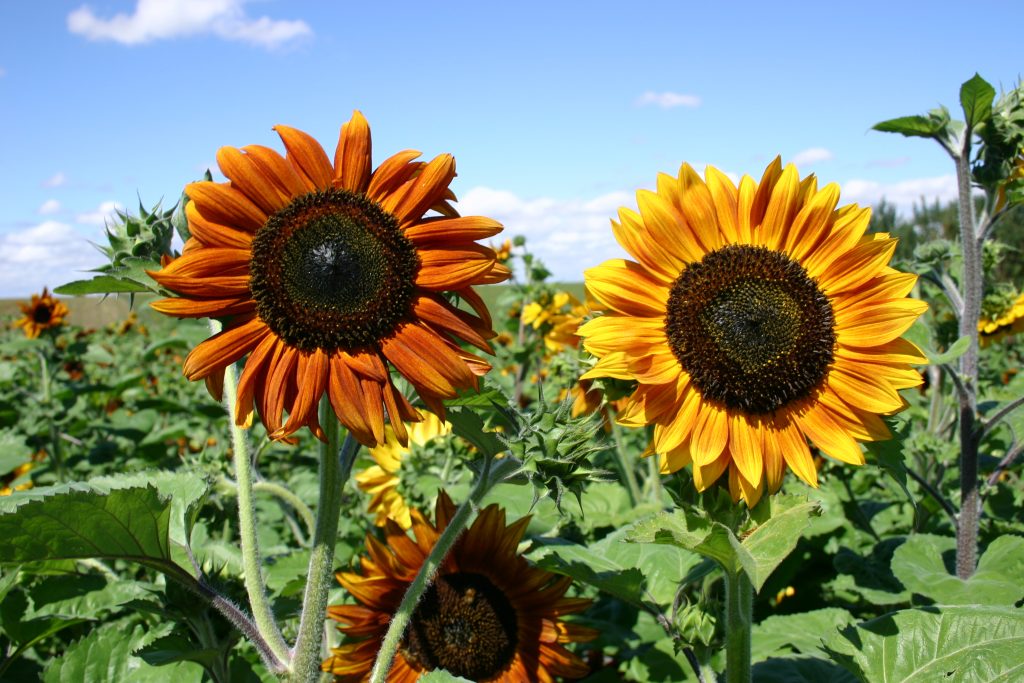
(49, 206)
(56, 180)
(164, 19)
(568, 235)
(668, 100)
(104, 213)
(903, 194)
(889, 163)
(49, 254)
(813, 155)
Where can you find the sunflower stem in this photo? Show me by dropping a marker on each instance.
(335, 467)
(396, 629)
(972, 285)
(58, 454)
(739, 608)
(255, 587)
(625, 466)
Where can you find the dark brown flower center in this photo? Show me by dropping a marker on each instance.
(332, 270)
(42, 314)
(464, 624)
(751, 328)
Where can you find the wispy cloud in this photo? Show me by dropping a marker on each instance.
(166, 19)
(812, 155)
(56, 180)
(104, 213)
(49, 206)
(668, 100)
(48, 254)
(903, 194)
(568, 235)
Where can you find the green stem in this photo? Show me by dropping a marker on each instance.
(55, 447)
(972, 284)
(396, 629)
(739, 608)
(626, 466)
(289, 497)
(335, 467)
(255, 586)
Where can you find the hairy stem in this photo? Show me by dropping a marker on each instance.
(972, 285)
(335, 467)
(255, 586)
(739, 607)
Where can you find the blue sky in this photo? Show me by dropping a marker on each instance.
(555, 111)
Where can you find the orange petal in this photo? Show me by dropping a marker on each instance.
(307, 157)
(353, 156)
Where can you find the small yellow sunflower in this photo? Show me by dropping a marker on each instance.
(1011, 321)
(326, 275)
(489, 615)
(381, 480)
(44, 312)
(754, 318)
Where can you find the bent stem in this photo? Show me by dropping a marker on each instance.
(335, 467)
(255, 587)
(739, 607)
(459, 521)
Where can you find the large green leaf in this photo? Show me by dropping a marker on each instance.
(14, 451)
(101, 284)
(919, 566)
(912, 126)
(761, 551)
(980, 644)
(784, 634)
(105, 521)
(635, 573)
(976, 97)
(800, 670)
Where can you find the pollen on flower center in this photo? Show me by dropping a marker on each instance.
(332, 270)
(751, 328)
(463, 624)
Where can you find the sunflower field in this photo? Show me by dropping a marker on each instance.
(338, 431)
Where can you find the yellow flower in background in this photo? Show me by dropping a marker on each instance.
(328, 274)
(381, 480)
(504, 252)
(1016, 174)
(44, 312)
(754, 319)
(1011, 321)
(559, 317)
(488, 616)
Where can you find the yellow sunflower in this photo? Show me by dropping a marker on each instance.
(381, 480)
(489, 615)
(326, 274)
(754, 318)
(44, 312)
(1011, 321)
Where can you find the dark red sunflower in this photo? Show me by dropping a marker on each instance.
(327, 276)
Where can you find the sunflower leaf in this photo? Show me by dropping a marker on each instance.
(800, 670)
(913, 126)
(976, 97)
(955, 350)
(958, 642)
(101, 284)
(442, 676)
(920, 567)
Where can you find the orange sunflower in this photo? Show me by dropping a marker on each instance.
(45, 312)
(488, 616)
(754, 318)
(326, 275)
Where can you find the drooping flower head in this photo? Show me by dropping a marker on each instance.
(488, 616)
(754, 318)
(381, 480)
(1009, 321)
(329, 274)
(44, 312)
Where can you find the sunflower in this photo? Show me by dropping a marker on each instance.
(1009, 321)
(754, 318)
(488, 616)
(45, 312)
(326, 275)
(381, 480)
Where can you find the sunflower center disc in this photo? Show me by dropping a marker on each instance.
(464, 624)
(42, 314)
(332, 270)
(751, 328)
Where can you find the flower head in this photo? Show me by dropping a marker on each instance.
(754, 318)
(44, 312)
(1009, 321)
(329, 274)
(488, 616)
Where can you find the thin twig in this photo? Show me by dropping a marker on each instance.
(1007, 460)
(993, 422)
(933, 492)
